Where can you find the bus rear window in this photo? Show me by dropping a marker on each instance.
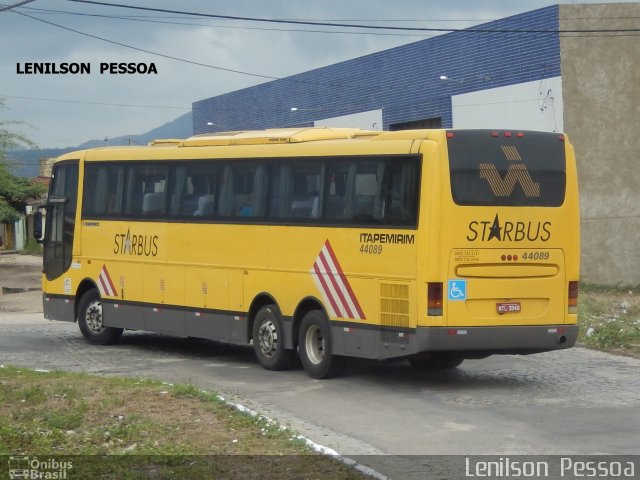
(507, 169)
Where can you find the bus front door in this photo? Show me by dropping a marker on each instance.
(60, 219)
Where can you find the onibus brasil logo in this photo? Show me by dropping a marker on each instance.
(32, 468)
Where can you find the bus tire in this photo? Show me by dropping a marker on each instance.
(90, 321)
(428, 362)
(315, 347)
(268, 340)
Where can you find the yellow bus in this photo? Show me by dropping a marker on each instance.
(322, 243)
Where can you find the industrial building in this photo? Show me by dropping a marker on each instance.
(570, 68)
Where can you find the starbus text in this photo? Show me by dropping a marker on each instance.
(509, 231)
(139, 245)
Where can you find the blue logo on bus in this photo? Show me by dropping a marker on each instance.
(457, 290)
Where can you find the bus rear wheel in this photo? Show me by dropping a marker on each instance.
(315, 346)
(434, 362)
(268, 340)
(90, 321)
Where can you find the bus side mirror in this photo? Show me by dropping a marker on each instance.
(38, 226)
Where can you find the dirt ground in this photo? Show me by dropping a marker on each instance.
(20, 272)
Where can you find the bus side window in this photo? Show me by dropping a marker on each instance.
(182, 187)
(250, 189)
(95, 190)
(365, 194)
(305, 187)
(153, 203)
(279, 191)
(205, 206)
(366, 178)
(274, 207)
(226, 198)
(116, 189)
(146, 190)
(402, 194)
(193, 190)
(369, 191)
(260, 191)
(335, 192)
(104, 185)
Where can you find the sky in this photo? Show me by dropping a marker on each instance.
(67, 110)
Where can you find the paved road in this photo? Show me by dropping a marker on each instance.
(570, 402)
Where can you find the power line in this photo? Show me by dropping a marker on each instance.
(9, 7)
(234, 27)
(351, 25)
(269, 77)
(149, 19)
(192, 62)
(83, 102)
(386, 20)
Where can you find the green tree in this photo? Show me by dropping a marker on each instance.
(14, 191)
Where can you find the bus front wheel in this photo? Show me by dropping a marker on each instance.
(90, 321)
(268, 340)
(314, 343)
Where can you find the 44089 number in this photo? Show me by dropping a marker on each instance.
(371, 249)
(541, 255)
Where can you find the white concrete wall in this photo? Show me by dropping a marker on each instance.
(21, 235)
(371, 120)
(525, 106)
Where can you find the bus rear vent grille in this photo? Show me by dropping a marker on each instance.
(394, 304)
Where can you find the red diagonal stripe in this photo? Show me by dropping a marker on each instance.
(101, 280)
(106, 272)
(112, 288)
(344, 279)
(326, 289)
(336, 285)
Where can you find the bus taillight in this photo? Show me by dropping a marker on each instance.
(434, 299)
(573, 297)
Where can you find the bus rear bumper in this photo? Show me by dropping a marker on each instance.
(469, 342)
(502, 339)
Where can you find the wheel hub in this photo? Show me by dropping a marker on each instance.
(315, 345)
(268, 338)
(93, 318)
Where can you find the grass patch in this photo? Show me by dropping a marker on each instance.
(609, 318)
(145, 429)
(31, 248)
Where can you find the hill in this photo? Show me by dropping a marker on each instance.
(25, 163)
(181, 127)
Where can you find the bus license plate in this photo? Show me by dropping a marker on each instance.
(508, 307)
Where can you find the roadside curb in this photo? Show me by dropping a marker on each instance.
(316, 447)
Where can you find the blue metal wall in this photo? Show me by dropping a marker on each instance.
(403, 81)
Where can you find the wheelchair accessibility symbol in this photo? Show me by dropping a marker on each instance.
(457, 290)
